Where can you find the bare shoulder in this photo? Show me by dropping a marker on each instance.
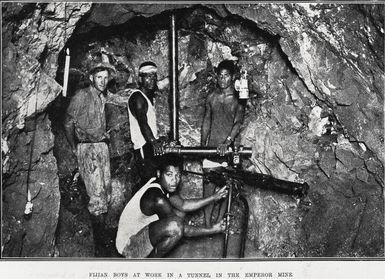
(153, 201)
(137, 100)
(153, 193)
(136, 96)
(211, 97)
(175, 198)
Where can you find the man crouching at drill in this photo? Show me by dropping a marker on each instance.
(152, 223)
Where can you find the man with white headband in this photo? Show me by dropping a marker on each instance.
(142, 120)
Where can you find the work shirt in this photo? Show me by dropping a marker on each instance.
(87, 112)
(137, 137)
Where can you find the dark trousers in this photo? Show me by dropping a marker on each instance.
(148, 165)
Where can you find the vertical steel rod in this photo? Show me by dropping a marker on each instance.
(245, 226)
(227, 231)
(174, 81)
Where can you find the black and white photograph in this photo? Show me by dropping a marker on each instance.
(193, 132)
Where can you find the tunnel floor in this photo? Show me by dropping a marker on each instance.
(208, 247)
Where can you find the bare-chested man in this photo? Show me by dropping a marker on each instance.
(221, 123)
(152, 222)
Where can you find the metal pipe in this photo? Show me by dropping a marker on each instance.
(207, 151)
(245, 226)
(228, 212)
(174, 81)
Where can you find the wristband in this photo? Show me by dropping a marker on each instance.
(229, 139)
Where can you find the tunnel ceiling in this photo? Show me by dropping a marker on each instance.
(142, 24)
(109, 15)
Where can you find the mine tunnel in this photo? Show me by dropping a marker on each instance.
(314, 114)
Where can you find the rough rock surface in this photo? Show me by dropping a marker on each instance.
(314, 39)
(33, 35)
(33, 237)
(315, 111)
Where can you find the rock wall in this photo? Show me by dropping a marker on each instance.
(320, 111)
(33, 35)
(337, 52)
(315, 111)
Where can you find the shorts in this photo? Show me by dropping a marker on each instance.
(139, 245)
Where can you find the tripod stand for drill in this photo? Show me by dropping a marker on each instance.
(235, 195)
(234, 177)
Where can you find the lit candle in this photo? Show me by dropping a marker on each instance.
(66, 72)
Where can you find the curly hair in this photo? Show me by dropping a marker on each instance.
(169, 160)
(227, 65)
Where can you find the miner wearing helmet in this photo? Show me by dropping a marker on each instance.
(85, 128)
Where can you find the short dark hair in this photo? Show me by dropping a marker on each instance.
(169, 160)
(228, 65)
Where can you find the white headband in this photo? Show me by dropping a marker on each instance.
(147, 69)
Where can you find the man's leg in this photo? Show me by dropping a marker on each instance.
(147, 165)
(106, 169)
(139, 245)
(150, 162)
(91, 172)
(208, 190)
(164, 235)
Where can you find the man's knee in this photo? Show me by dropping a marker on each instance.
(175, 227)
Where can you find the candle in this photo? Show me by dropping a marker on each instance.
(66, 72)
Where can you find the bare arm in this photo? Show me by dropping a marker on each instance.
(191, 231)
(206, 125)
(238, 120)
(189, 205)
(154, 201)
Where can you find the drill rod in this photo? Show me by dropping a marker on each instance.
(227, 214)
(207, 151)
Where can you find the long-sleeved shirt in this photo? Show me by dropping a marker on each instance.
(86, 112)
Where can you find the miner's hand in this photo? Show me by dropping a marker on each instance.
(158, 147)
(221, 193)
(222, 148)
(219, 227)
